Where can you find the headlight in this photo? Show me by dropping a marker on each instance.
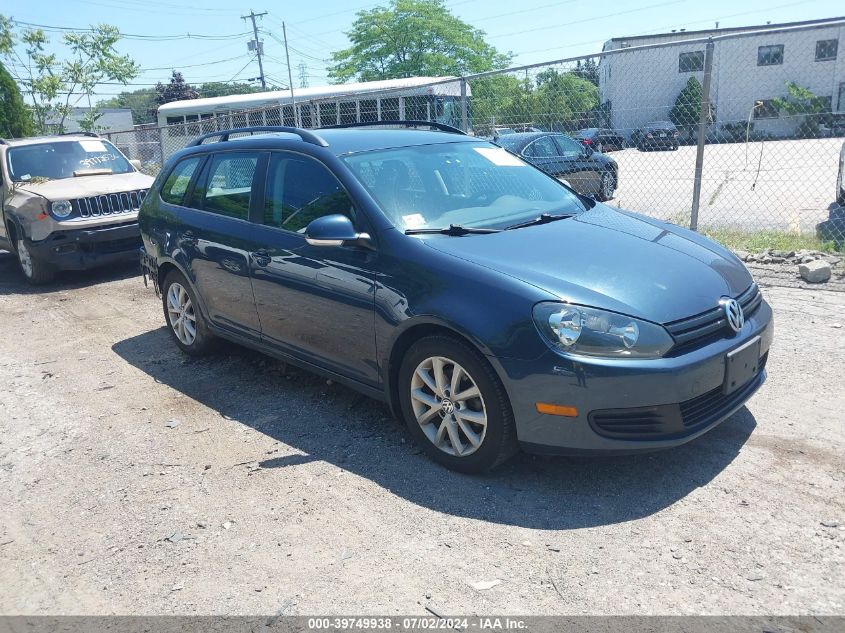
(61, 208)
(592, 332)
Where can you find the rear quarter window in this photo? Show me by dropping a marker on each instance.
(176, 185)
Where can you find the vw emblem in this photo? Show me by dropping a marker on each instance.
(447, 406)
(733, 313)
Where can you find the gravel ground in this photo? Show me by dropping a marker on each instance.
(134, 480)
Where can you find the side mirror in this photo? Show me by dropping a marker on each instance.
(334, 230)
(588, 151)
(135, 163)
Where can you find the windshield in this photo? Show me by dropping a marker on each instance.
(468, 184)
(66, 159)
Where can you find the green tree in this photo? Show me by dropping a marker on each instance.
(563, 101)
(802, 101)
(411, 38)
(589, 70)
(500, 100)
(142, 103)
(687, 109)
(226, 88)
(15, 118)
(176, 90)
(56, 86)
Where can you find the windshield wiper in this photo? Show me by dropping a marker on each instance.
(545, 218)
(454, 230)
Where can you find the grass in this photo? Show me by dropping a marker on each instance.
(756, 241)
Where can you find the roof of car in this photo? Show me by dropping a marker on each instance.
(33, 140)
(353, 140)
(520, 139)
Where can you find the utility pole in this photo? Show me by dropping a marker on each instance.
(259, 49)
(303, 75)
(290, 77)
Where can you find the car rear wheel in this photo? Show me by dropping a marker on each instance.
(185, 321)
(607, 186)
(34, 270)
(455, 406)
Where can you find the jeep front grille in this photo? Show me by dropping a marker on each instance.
(109, 204)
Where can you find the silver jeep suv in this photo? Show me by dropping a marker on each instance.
(68, 203)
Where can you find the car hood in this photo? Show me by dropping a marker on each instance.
(613, 260)
(85, 186)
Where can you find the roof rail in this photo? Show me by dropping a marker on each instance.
(91, 134)
(305, 135)
(403, 123)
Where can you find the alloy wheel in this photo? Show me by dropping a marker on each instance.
(181, 315)
(607, 185)
(24, 258)
(448, 406)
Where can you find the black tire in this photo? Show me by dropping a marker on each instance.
(203, 342)
(603, 195)
(499, 442)
(35, 271)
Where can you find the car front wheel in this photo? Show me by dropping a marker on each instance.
(607, 186)
(184, 319)
(36, 271)
(455, 405)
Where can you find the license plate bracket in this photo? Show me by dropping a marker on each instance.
(741, 365)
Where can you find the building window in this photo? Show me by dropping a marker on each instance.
(770, 55)
(691, 62)
(765, 109)
(826, 50)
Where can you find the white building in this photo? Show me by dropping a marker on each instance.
(750, 64)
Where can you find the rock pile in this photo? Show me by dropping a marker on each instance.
(813, 266)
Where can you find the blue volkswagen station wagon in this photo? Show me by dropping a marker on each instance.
(490, 305)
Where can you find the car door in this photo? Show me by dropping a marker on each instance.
(579, 171)
(316, 302)
(213, 235)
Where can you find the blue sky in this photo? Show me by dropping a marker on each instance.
(537, 30)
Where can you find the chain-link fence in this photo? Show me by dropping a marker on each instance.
(738, 134)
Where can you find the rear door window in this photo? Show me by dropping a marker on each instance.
(542, 147)
(225, 187)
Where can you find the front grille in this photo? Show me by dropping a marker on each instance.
(711, 325)
(109, 204)
(713, 405)
(673, 421)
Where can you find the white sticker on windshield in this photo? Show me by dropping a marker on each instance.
(499, 156)
(413, 221)
(93, 146)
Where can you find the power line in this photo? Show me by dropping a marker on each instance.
(133, 36)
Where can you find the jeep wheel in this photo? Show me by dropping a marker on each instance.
(34, 270)
(455, 406)
(185, 321)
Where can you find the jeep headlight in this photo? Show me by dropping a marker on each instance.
(593, 332)
(61, 208)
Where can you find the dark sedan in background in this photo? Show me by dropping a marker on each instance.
(600, 139)
(588, 172)
(656, 135)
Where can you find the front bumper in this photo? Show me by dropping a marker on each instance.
(680, 398)
(80, 249)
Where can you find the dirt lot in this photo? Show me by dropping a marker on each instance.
(134, 480)
(787, 185)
